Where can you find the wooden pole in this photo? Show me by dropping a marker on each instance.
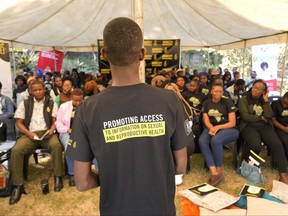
(284, 65)
(14, 63)
(243, 60)
(139, 20)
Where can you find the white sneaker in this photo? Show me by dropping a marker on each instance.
(178, 179)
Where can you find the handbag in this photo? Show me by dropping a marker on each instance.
(252, 173)
(3, 132)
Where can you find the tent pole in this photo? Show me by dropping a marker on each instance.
(208, 59)
(139, 20)
(14, 62)
(284, 64)
(132, 9)
(243, 60)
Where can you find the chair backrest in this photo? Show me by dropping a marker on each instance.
(274, 98)
(11, 128)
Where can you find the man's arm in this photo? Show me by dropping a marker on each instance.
(85, 179)
(180, 160)
(279, 125)
(51, 129)
(9, 109)
(23, 129)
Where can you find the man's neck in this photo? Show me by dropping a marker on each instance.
(125, 75)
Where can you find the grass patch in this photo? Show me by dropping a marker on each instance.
(71, 202)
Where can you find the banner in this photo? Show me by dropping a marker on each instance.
(6, 76)
(160, 54)
(265, 61)
(49, 61)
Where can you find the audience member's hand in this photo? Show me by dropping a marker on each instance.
(50, 134)
(31, 135)
(69, 130)
(264, 118)
(214, 130)
(265, 95)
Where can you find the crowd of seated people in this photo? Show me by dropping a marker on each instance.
(228, 106)
(36, 103)
(209, 99)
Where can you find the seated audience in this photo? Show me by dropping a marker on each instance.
(220, 128)
(280, 120)
(236, 76)
(189, 113)
(20, 81)
(256, 126)
(180, 82)
(90, 88)
(226, 78)
(48, 81)
(34, 117)
(63, 124)
(194, 97)
(158, 81)
(67, 86)
(204, 87)
(219, 81)
(75, 77)
(6, 106)
(249, 81)
(57, 87)
(24, 95)
(236, 90)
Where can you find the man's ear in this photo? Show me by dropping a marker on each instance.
(103, 53)
(142, 54)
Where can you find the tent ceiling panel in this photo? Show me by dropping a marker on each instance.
(76, 25)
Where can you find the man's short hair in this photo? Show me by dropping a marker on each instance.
(37, 82)
(123, 41)
(77, 92)
(236, 73)
(240, 82)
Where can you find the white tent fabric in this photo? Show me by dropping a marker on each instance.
(75, 25)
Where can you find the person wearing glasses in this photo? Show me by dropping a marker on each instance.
(64, 96)
(256, 126)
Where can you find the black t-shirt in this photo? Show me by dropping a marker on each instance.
(195, 100)
(280, 113)
(204, 89)
(132, 131)
(218, 112)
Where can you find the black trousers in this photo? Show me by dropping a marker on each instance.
(254, 136)
(283, 136)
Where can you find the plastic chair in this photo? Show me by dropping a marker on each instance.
(36, 153)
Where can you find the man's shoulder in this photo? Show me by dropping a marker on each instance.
(64, 105)
(6, 98)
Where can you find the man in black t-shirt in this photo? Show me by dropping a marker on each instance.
(136, 132)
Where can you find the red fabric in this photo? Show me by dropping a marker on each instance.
(188, 208)
(50, 60)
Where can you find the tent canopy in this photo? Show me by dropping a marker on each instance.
(75, 25)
